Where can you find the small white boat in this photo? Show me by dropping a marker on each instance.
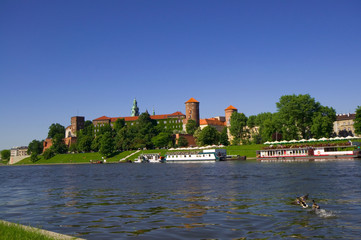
(149, 158)
(210, 155)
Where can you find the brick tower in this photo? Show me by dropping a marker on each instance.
(228, 111)
(192, 110)
(77, 123)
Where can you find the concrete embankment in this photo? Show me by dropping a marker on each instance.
(50, 234)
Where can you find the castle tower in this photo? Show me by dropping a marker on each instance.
(77, 123)
(228, 112)
(192, 110)
(135, 109)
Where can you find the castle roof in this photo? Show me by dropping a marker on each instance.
(129, 119)
(192, 100)
(102, 118)
(231, 108)
(212, 122)
(342, 117)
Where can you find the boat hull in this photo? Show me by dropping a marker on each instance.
(308, 158)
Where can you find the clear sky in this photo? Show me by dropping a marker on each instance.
(91, 58)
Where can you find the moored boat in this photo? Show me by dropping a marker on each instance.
(150, 158)
(309, 153)
(210, 155)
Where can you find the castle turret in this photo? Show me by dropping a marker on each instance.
(228, 112)
(192, 110)
(135, 109)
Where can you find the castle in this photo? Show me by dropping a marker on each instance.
(178, 121)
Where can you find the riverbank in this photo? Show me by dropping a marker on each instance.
(82, 158)
(11, 231)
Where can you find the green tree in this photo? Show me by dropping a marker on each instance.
(107, 144)
(96, 144)
(34, 157)
(322, 122)
(191, 126)
(182, 142)
(237, 128)
(208, 136)
(88, 129)
(271, 127)
(73, 148)
(357, 121)
(85, 143)
(251, 122)
(119, 124)
(124, 139)
(58, 144)
(35, 146)
(56, 129)
(296, 114)
(48, 153)
(57, 134)
(5, 154)
(223, 137)
(162, 139)
(145, 130)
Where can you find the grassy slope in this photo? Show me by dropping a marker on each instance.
(14, 231)
(76, 158)
(243, 150)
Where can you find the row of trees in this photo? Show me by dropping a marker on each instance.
(297, 117)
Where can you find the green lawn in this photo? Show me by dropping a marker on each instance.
(75, 158)
(10, 231)
(244, 150)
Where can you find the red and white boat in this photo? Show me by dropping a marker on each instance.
(309, 153)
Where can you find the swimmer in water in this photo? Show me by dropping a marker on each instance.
(314, 205)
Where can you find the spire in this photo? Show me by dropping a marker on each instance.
(135, 109)
(153, 112)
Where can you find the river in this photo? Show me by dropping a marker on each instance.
(221, 200)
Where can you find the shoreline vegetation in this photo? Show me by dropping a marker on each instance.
(82, 158)
(10, 231)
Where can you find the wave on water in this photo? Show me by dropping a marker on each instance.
(324, 213)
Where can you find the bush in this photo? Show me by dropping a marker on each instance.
(5, 155)
(49, 153)
(34, 157)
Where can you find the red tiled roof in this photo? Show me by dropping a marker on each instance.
(128, 119)
(177, 114)
(231, 108)
(192, 100)
(102, 118)
(212, 121)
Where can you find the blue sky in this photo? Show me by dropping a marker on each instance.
(92, 58)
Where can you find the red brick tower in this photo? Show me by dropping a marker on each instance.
(228, 111)
(192, 110)
(77, 123)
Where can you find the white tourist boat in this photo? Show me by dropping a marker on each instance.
(310, 153)
(210, 155)
(149, 158)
